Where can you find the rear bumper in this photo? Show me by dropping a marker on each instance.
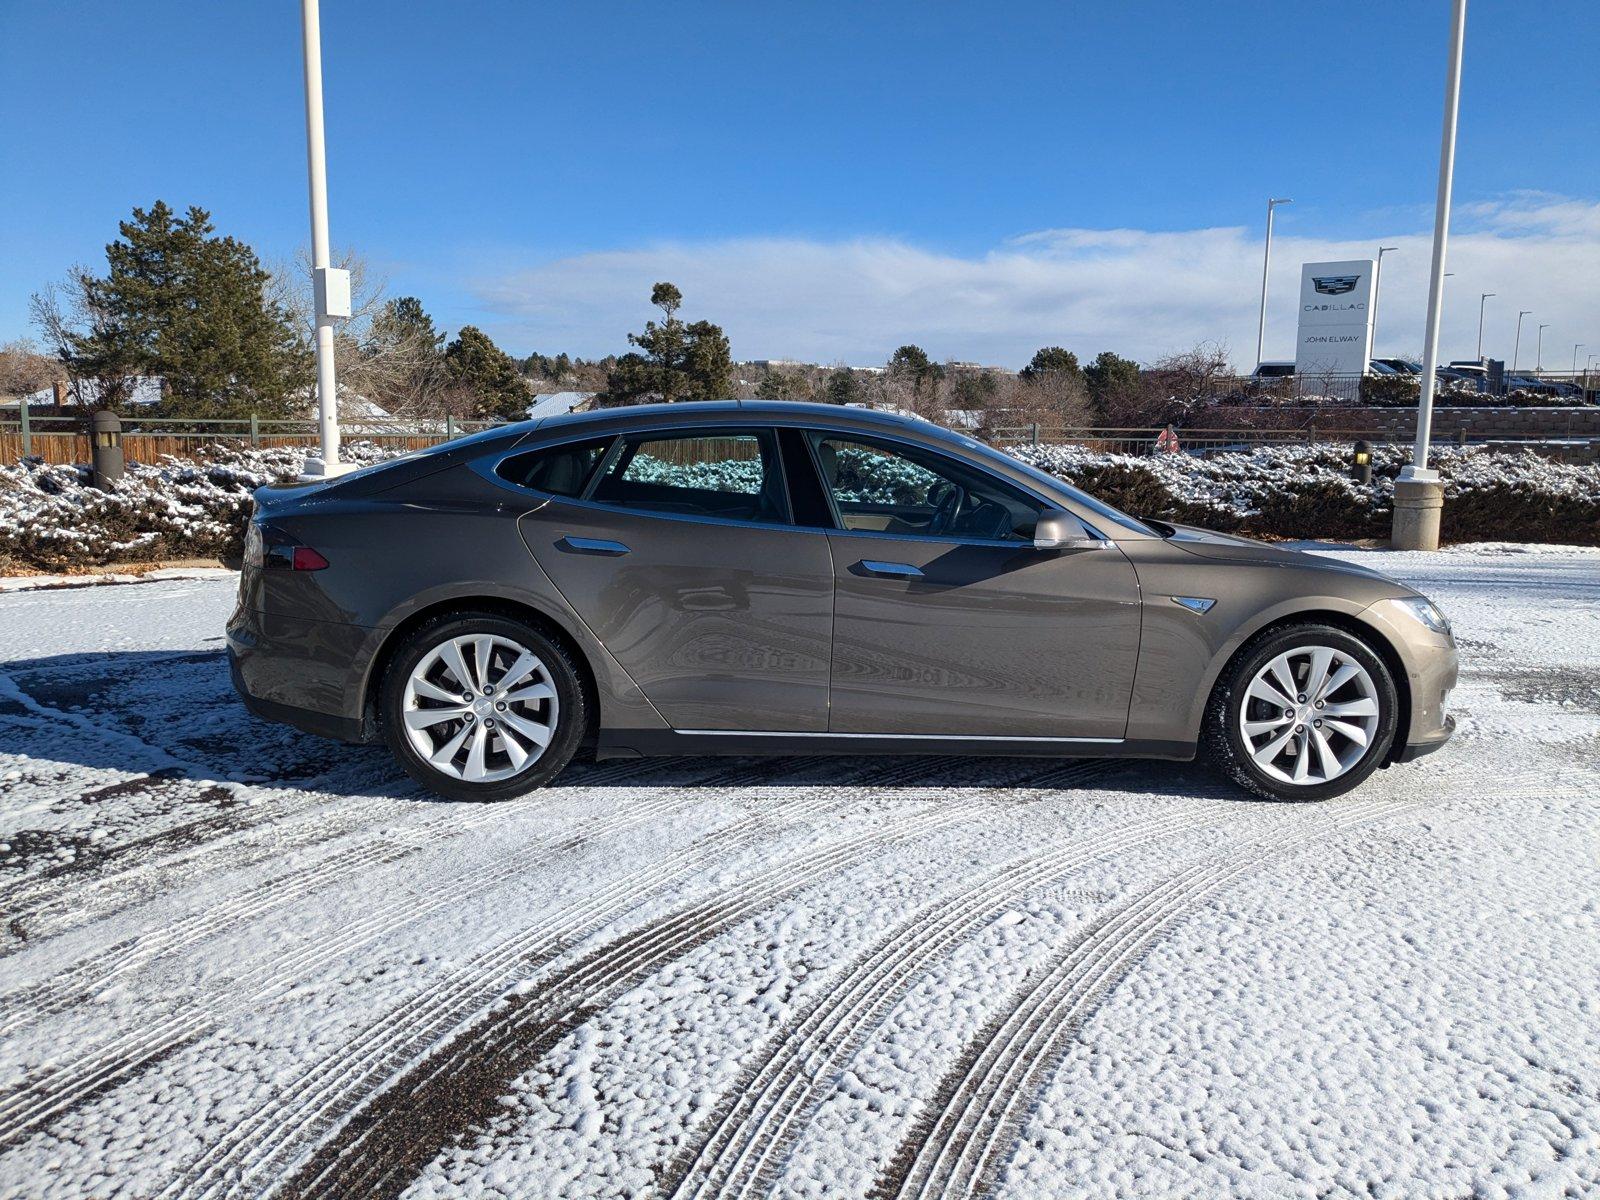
(298, 672)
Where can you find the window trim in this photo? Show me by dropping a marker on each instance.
(493, 469)
(486, 468)
(490, 470)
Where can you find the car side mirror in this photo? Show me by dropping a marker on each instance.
(1059, 530)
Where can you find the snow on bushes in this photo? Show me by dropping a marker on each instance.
(1306, 491)
(51, 518)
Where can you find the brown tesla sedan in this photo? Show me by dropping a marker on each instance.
(754, 578)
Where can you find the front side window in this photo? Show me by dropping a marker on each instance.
(731, 476)
(879, 487)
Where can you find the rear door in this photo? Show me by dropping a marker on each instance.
(947, 620)
(677, 548)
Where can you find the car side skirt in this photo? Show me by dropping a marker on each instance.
(650, 743)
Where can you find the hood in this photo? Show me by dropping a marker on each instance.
(1227, 548)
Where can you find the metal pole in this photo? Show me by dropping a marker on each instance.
(27, 430)
(317, 170)
(1538, 350)
(1418, 468)
(1516, 346)
(1377, 280)
(1266, 266)
(1481, 300)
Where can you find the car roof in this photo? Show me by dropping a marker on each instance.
(711, 412)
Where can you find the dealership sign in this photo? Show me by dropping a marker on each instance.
(1335, 318)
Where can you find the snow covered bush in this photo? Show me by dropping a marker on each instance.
(1306, 491)
(52, 517)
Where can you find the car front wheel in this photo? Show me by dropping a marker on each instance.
(1305, 712)
(481, 707)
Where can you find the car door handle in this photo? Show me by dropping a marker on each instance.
(583, 545)
(890, 570)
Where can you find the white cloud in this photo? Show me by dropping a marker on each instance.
(1140, 292)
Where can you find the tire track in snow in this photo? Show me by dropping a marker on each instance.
(56, 1092)
(755, 1128)
(365, 1061)
(955, 1148)
(457, 1088)
(23, 1005)
(333, 1086)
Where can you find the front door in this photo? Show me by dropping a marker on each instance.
(680, 555)
(947, 621)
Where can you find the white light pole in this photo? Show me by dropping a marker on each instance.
(1418, 494)
(1482, 299)
(1266, 266)
(1538, 350)
(1516, 346)
(1377, 280)
(331, 288)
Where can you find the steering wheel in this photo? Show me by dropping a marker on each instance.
(948, 499)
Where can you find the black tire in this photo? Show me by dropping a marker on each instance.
(1222, 742)
(572, 712)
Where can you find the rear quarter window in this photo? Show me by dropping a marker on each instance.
(557, 470)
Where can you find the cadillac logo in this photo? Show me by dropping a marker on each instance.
(1335, 285)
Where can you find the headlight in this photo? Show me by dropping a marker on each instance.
(1420, 608)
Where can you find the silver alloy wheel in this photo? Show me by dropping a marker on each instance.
(480, 707)
(1309, 715)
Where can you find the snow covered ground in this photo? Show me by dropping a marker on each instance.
(239, 961)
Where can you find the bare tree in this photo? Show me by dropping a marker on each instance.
(66, 315)
(23, 370)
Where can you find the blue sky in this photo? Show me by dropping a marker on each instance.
(828, 179)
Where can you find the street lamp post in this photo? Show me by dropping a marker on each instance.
(1538, 350)
(1516, 346)
(330, 286)
(1377, 280)
(1418, 494)
(1482, 299)
(1266, 266)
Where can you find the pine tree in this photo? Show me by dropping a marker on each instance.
(1052, 360)
(193, 308)
(488, 373)
(680, 361)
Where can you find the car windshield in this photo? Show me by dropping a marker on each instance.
(1099, 507)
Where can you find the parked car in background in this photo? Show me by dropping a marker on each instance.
(1274, 369)
(1396, 366)
(1464, 373)
(783, 578)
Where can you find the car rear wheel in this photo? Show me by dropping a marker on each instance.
(1303, 713)
(481, 707)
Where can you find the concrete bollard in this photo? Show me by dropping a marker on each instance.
(105, 439)
(1417, 504)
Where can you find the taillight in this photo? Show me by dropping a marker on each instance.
(275, 550)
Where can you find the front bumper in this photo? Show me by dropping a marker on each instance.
(1431, 666)
(1417, 748)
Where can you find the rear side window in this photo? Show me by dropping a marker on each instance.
(732, 476)
(559, 470)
